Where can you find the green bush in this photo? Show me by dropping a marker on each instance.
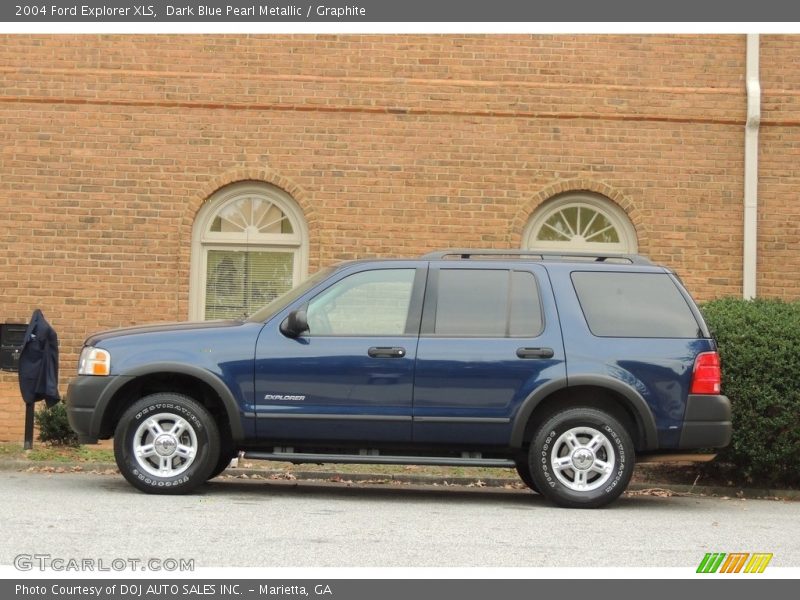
(54, 427)
(759, 344)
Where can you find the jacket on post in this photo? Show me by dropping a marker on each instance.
(38, 362)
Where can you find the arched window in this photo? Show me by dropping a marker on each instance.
(249, 245)
(580, 222)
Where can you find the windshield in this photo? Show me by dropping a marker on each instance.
(282, 301)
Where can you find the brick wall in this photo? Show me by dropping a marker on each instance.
(779, 168)
(391, 145)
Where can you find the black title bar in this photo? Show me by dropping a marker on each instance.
(366, 589)
(419, 11)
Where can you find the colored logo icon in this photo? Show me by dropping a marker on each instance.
(737, 562)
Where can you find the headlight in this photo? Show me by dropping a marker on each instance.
(94, 361)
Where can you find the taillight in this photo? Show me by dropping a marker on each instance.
(707, 375)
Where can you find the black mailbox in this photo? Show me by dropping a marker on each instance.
(12, 335)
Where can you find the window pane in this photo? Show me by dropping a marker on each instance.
(645, 305)
(554, 230)
(251, 215)
(570, 216)
(368, 303)
(472, 302)
(240, 282)
(526, 310)
(601, 230)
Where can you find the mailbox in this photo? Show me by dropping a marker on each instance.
(12, 335)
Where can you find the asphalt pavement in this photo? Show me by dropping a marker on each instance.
(276, 523)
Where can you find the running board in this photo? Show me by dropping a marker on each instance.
(671, 458)
(378, 459)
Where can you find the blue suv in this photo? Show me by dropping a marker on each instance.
(564, 366)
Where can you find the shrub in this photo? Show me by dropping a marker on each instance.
(759, 344)
(54, 427)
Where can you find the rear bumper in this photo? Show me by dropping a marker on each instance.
(707, 422)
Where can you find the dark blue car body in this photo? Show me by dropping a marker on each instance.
(415, 392)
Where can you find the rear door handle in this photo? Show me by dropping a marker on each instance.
(535, 352)
(386, 352)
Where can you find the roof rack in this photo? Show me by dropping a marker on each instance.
(466, 254)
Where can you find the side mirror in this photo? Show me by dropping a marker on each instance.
(295, 324)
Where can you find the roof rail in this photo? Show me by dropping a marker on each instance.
(609, 257)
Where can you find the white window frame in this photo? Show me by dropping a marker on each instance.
(204, 240)
(628, 244)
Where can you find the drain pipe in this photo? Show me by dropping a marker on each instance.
(750, 249)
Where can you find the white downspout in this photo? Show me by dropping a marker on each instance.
(751, 169)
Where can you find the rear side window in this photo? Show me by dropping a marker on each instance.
(487, 303)
(645, 305)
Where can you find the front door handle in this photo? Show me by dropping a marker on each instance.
(535, 352)
(386, 352)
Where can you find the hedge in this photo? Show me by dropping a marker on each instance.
(54, 427)
(759, 345)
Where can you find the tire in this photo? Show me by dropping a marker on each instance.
(524, 472)
(166, 443)
(581, 458)
(226, 454)
(222, 464)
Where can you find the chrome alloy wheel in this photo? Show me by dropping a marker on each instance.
(165, 445)
(583, 459)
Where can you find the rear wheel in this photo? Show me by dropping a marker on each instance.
(166, 444)
(524, 472)
(581, 458)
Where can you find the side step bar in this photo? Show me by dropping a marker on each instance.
(673, 458)
(377, 459)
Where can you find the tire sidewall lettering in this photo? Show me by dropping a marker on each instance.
(173, 408)
(161, 483)
(620, 456)
(545, 463)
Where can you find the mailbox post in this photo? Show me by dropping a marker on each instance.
(12, 337)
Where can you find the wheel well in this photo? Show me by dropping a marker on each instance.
(591, 396)
(154, 383)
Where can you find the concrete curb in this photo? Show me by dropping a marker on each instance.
(655, 489)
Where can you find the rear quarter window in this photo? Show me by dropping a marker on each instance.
(644, 305)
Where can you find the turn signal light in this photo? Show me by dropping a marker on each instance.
(94, 361)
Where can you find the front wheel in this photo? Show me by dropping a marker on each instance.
(226, 455)
(166, 444)
(581, 458)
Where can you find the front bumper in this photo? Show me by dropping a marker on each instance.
(86, 400)
(706, 423)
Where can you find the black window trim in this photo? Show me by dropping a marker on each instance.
(538, 297)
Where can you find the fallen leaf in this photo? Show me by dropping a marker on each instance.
(657, 492)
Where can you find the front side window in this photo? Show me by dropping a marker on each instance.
(249, 247)
(370, 303)
(487, 303)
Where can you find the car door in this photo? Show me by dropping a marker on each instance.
(490, 336)
(350, 376)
